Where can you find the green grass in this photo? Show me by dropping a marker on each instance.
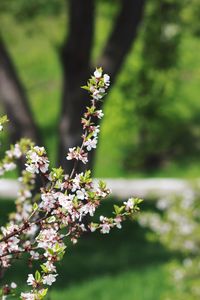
(122, 265)
(127, 286)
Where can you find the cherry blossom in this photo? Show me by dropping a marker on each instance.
(51, 214)
(49, 279)
(98, 73)
(31, 280)
(90, 144)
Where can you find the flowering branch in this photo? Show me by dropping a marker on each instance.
(43, 220)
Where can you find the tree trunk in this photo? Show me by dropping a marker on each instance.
(122, 37)
(76, 64)
(75, 58)
(14, 100)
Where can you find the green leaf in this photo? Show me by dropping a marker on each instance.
(102, 185)
(3, 119)
(37, 276)
(50, 251)
(44, 292)
(35, 206)
(44, 268)
(85, 87)
(118, 209)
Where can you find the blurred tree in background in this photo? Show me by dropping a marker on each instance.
(152, 112)
(163, 131)
(75, 56)
(156, 84)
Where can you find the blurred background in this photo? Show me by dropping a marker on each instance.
(151, 128)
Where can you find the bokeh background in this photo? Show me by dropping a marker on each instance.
(151, 128)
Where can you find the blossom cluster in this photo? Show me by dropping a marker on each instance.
(177, 228)
(96, 86)
(37, 160)
(13, 154)
(51, 207)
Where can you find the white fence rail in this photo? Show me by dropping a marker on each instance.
(9, 188)
(121, 188)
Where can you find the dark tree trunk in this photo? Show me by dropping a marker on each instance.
(14, 100)
(122, 37)
(76, 63)
(75, 57)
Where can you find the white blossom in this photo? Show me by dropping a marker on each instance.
(9, 166)
(129, 204)
(50, 266)
(105, 228)
(100, 114)
(90, 144)
(49, 279)
(81, 194)
(106, 78)
(98, 73)
(34, 255)
(28, 296)
(31, 279)
(13, 285)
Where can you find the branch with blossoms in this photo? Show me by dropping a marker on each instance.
(47, 219)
